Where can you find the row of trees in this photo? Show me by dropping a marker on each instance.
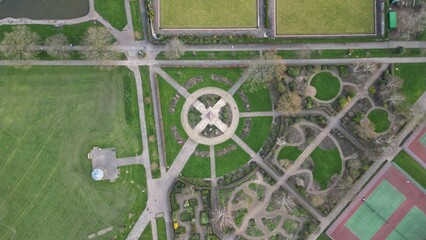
(22, 44)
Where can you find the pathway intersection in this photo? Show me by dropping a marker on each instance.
(158, 189)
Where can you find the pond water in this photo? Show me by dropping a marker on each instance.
(43, 9)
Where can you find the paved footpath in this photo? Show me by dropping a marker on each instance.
(158, 189)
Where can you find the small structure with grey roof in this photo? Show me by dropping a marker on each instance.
(104, 160)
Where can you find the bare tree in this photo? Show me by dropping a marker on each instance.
(98, 40)
(362, 69)
(174, 48)
(383, 143)
(57, 46)
(20, 44)
(366, 129)
(263, 72)
(345, 184)
(222, 218)
(283, 201)
(392, 85)
(395, 99)
(354, 168)
(300, 86)
(317, 200)
(290, 103)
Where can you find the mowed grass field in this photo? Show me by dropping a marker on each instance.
(328, 17)
(50, 117)
(202, 14)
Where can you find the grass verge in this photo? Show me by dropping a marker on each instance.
(214, 55)
(147, 233)
(150, 123)
(170, 119)
(74, 33)
(410, 166)
(356, 53)
(113, 11)
(161, 229)
(136, 19)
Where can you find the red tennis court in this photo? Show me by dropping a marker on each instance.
(371, 217)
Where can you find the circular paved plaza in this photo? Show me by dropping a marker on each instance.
(210, 116)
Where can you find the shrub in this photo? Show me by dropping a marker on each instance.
(293, 72)
(204, 218)
(372, 90)
(400, 50)
(186, 216)
(358, 117)
(343, 71)
(342, 101)
(309, 103)
(180, 230)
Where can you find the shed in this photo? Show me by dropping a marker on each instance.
(392, 20)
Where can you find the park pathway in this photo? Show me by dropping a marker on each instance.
(158, 189)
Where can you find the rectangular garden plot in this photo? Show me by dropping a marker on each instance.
(213, 14)
(324, 17)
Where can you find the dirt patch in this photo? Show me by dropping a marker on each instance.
(411, 23)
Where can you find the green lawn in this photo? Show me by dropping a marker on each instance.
(410, 166)
(182, 75)
(414, 76)
(327, 163)
(167, 93)
(161, 229)
(74, 33)
(150, 123)
(50, 119)
(328, 17)
(189, 14)
(260, 127)
(327, 86)
(231, 161)
(113, 11)
(136, 19)
(198, 167)
(379, 118)
(323, 236)
(214, 55)
(290, 152)
(259, 100)
(356, 53)
(147, 233)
